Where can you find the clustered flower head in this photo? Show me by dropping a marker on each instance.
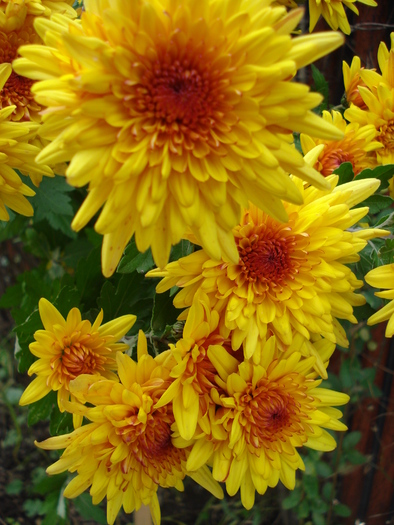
(179, 118)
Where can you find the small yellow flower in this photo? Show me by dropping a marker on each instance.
(291, 277)
(176, 113)
(125, 452)
(67, 348)
(357, 147)
(383, 277)
(266, 411)
(333, 12)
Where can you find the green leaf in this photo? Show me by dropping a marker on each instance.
(345, 172)
(386, 252)
(383, 173)
(133, 260)
(323, 469)
(14, 487)
(321, 86)
(342, 510)
(164, 313)
(376, 203)
(293, 499)
(311, 486)
(355, 457)
(182, 249)
(318, 519)
(327, 491)
(346, 374)
(13, 228)
(87, 510)
(47, 484)
(40, 410)
(52, 203)
(351, 439)
(303, 509)
(60, 423)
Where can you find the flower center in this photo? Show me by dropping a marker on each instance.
(333, 160)
(265, 260)
(8, 48)
(79, 359)
(386, 136)
(273, 411)
(180, 99)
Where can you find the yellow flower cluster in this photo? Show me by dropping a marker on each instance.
(179, 116)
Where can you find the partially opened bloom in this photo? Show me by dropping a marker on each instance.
(358, 146)
(125, 452)
(352, 81)
(67, 348)
(333, 12)
(192, 372)
(13, 13)
(265, 413)
(16, 153)
(291, 277)
(175, 114)
(383, 277)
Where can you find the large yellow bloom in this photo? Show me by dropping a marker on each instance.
(291, 278)
(69, 347)
(383, 277)
(378, 96)
(176, 113)
(16, 153)
(125, 453)
(266, 412)
(333, 12)
(358, 146)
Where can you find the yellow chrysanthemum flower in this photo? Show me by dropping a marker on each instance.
(266, 412)
(13, 13)
(333, 12)
(292, 277)
(357, 146)
(378, 95)
(383, 277)
(176, 113)
(125, 453)
(16, 90)
(352, 81)
(194, 375)
(16, 153)
(16, 29)
(69, 347)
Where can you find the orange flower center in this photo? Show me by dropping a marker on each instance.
(79, 359)
(270, 253)
(386, 136)
(8, 49)
(180, 98)
(150, 443)
(333, 160)
(273, 411)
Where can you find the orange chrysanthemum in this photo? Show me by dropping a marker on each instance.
(176, 113)
(125, 452)
(67, 348)
(357, 147)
